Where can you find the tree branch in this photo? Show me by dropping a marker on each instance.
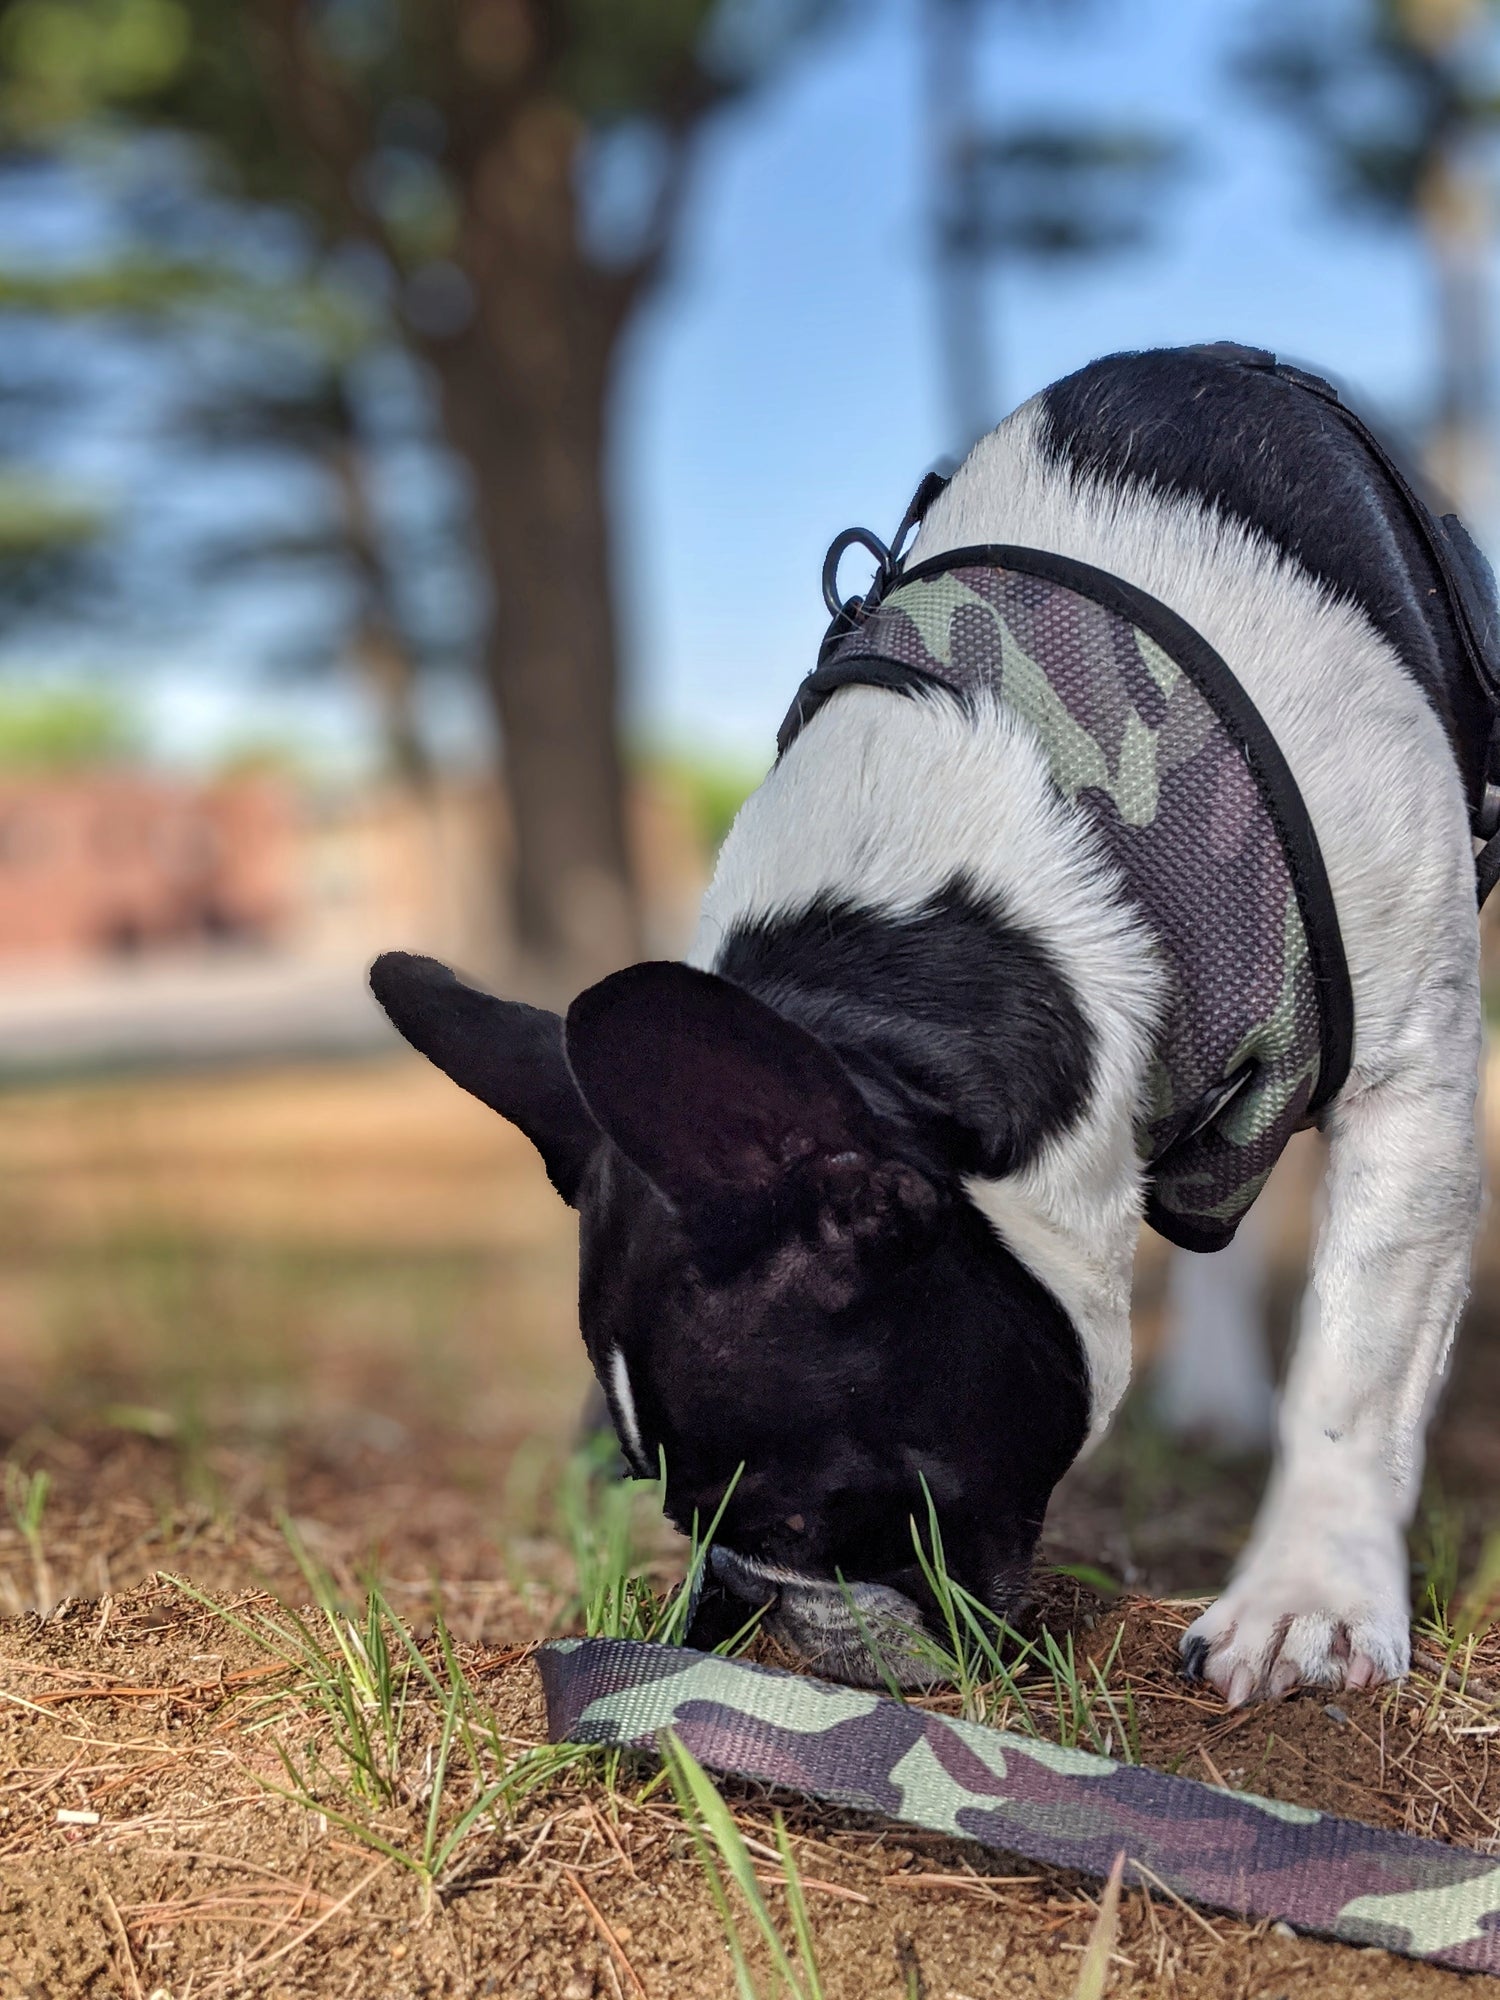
(694, 96)
(325, 121)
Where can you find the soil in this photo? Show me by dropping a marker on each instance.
(145, 1848)
(207, 1325)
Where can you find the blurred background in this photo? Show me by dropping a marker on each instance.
(421, 424)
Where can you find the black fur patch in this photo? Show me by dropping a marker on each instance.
(949, 1363)
(508, 1055)
(953, 1020)
(1260, 449)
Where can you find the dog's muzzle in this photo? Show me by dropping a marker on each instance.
(863, 1633)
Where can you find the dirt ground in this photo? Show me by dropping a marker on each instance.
(343, 1297)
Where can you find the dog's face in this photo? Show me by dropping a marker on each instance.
(779, 1297)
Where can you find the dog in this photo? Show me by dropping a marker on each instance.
(859, 1183)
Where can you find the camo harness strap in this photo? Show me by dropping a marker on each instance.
(1147, 733)
(1252, 1857)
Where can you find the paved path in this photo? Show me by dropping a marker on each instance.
(184, 1011)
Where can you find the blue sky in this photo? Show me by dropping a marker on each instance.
(785, 382)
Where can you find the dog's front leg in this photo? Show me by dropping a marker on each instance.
(1321, 1593)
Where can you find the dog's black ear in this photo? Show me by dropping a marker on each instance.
(740, 1117)
(506, 1054)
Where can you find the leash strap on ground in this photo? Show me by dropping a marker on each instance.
(1254, 1858)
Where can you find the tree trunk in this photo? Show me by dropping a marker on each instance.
(959, 267)
(1454, 213)
(524, 394)
(383, 658)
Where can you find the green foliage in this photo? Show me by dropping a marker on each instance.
(339, 108)
(623, 62)
(1383, 91)
(37, 520)
(334, 323)
(60, 729)
(64, 59)
(48, 538)
(714, 788)
(26, 1496)
(1052, 191)
(375, 1699)
(717, 1841)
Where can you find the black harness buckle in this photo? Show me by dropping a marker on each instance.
(845, 613)
(838, 548)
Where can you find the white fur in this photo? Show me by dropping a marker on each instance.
(624, 1402)
(1323, 1576)
(881, 799)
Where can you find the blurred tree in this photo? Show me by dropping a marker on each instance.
(282, 378)
(63, 729)
(311, 408)
(512, 172)
(1044, 191)
(46, 539)
(1400, 100)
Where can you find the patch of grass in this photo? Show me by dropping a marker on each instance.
(1435, 1562)
(720, 1847)
(1090, 1576)
(1038, 1686)
(1453, 1616)
(394, 1729)
(600, 1515)
(1479, 1603)
(402, 1755)
(26, 1497)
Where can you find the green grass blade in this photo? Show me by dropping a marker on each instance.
(718, 1822)
(797, 1904)
(679, 1766)
(1093, 1974)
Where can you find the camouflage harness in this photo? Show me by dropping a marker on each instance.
(1255, 1858)
(1145, 729)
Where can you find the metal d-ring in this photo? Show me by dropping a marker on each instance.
(850, 538)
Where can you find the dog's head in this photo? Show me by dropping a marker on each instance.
(779, 1294)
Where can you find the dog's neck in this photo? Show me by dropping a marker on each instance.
(953, 1021)
(877, 811)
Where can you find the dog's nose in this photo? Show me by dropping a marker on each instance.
(723, 1605)
(864, 1633)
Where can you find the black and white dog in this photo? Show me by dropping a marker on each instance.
(859, 1184)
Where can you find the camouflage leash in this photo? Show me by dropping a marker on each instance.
(1252, 1857)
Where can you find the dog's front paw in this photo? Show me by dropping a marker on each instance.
(1264, 1637)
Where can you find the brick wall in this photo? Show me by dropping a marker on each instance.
(111, 863)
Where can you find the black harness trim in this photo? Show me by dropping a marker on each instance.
(1224, 694)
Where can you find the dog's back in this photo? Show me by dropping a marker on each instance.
(1259, 448)
(1246, 506)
